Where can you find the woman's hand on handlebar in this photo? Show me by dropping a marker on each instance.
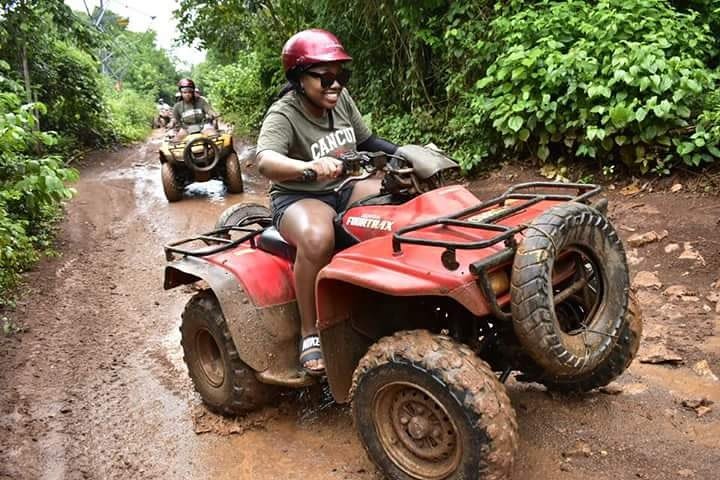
(326, 167)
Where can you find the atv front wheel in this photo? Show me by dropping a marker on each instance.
(615, 364)
(569, 290)
(428, 408)
(233, 174)
(225, 383)
(171, 183)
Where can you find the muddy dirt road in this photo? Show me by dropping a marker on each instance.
(95, 387)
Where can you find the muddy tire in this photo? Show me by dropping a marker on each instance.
(171, 183)
(427, 407)
(620, 358)
(569, 328)
(233, 174)
(225, 383)
(237, 213)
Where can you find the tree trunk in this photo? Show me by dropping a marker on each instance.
(26, 74)
(28, 86)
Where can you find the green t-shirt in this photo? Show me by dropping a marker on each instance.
(195, 113)
(289, 129)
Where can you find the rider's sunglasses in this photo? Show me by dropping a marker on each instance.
(327, 79)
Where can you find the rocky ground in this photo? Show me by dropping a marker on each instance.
(92, 383)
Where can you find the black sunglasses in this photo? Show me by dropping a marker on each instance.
(327, 79)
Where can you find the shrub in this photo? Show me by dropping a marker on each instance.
(131, 113)
(32, 187)
(237, 94)
(71, 87)
(608, 80)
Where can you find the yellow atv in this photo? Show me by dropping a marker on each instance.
(199, 157)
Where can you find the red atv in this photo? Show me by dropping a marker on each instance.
(433, 298)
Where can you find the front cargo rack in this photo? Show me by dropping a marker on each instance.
(582, 192)
(219, 239)
(506, 234)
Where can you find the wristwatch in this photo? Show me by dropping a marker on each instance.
(309, 175)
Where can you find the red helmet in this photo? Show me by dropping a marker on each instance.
(186, 83)
(310, 47)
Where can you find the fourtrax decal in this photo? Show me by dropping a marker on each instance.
(371, 222)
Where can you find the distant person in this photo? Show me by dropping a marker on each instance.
(164, 116)
(192, 113)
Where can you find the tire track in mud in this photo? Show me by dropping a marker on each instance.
(96, 388)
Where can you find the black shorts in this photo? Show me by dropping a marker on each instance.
(280, 201)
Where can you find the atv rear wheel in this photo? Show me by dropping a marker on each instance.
(233, 174)
(171, 183)
(569, 325)
(225, 383)
(428, 408)
(615, 364)
(234, 215)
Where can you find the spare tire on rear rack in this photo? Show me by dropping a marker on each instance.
(619, 359)
(569, 289)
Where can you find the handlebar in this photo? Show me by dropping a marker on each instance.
(354, 164)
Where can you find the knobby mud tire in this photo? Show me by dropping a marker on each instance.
(234, 215)
(172, 186)
(233, 174)
(614, 365)
(581, 228)
(455, 382)
(239, 391)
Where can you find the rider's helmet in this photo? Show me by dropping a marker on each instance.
(309, 47)
(197, 92)
(186, 83)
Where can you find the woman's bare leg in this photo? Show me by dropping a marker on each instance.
(308, 224)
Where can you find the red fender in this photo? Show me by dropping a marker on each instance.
(268, 279)
(257, 296)
(417, 271)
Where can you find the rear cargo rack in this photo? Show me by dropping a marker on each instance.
(219, 239)
(503, 233)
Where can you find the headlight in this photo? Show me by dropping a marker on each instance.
(499, 281)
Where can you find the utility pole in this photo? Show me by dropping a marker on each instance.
(104, 68)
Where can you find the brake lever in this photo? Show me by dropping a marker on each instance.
(352, 179)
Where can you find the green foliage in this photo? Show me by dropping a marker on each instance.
(140, 65)
(32, 187)
(62, 75)
(237, 94)
(50, 70)
(613, 80)
(131, 113)
(616, 81)
(70, 85)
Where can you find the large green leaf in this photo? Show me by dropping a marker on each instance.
(621, 115)
(515, 123)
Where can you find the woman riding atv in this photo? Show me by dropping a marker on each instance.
(192, 113)
(302, 136)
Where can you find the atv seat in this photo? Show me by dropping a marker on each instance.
(271, 241)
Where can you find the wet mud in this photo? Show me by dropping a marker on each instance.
(94, 385)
